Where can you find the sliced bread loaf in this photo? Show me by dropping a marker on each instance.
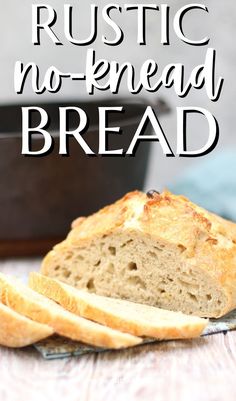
(41, 309)
(156, 249)
(130, 317)
(19, 331)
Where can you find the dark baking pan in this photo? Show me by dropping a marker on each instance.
(40, 196)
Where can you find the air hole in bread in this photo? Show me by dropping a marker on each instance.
(66, 273)
(77, 278)
(182, 248)
(126, 243)
(209, 297)
(97, 263)
(136, 281)
(80, 257)
(163, 282)
(110, 268)
(152, 254)
(112, 250)
(213, 241)
(192, 296)
(160, 249)
(132, 266)
(69, 256)
(56, 267)
(90, 285)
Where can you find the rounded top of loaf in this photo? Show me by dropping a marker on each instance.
(171, 217)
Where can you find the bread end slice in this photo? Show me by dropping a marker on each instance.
(19, 331)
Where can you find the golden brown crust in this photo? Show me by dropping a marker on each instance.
(19, 331)
(106, 220)
(208, 240)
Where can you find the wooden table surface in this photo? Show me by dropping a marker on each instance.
(202, 369)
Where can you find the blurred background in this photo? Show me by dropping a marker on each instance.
(208, 180)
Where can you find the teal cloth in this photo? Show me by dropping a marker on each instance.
(212, 184)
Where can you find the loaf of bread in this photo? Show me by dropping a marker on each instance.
(129, 317)
(35, 306)
(19, 331)
(155, 249)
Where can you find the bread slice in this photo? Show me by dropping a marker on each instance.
(155, 249)
(19, 331)
(130, 317)
(41, 309)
